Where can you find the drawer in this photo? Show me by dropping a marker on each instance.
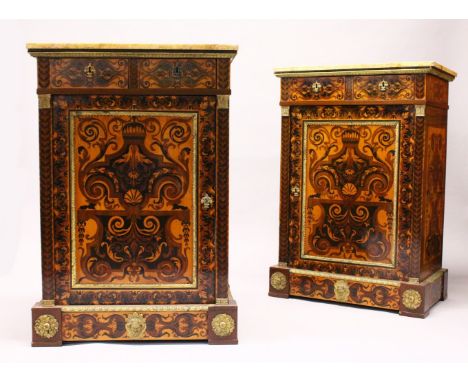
(88, 73)
(313, 88)
(388, 87)
(155, 73)
(358, 88)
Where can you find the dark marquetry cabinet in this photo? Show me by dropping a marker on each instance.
(362, 185)
(134, 193)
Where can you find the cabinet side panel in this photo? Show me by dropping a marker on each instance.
(436, 91)
(284, 190)
(46, 203)
(416, 218)
(433, 190)
(222, 203)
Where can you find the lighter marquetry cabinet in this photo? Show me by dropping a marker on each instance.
(134, 193)
(362, 185)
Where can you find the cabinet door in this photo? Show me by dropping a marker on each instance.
(349, 191)
(347, 166)
(134, 189)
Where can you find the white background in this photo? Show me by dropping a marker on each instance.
(269, 329)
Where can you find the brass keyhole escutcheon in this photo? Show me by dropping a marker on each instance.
(383, 86)
(89, 70)
(316, 87)
(295, 190)
(206, 201)
(341, 290)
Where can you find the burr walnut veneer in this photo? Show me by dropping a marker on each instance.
(134, 193)
(362, 185)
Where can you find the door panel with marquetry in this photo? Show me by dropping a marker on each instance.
(345, 199)
(349, 191)
(135, 176)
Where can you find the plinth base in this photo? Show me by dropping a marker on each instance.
(411, 298)
(53, 325)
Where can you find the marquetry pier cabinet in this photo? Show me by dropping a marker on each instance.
(134, 193)
(362, 185)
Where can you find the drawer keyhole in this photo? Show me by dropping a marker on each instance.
(89, 71)
(176, 71)
(383, 86)
(316, 87)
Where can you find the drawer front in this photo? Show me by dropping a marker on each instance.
(177, 73)
(310, 89)
(403, 87)
(88, 73)
(388, 87)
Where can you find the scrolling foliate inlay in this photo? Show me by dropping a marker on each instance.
(133, 202)
(360, 293)
(145, 326)
(351, 191)
(349, 195)
(130, 178)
